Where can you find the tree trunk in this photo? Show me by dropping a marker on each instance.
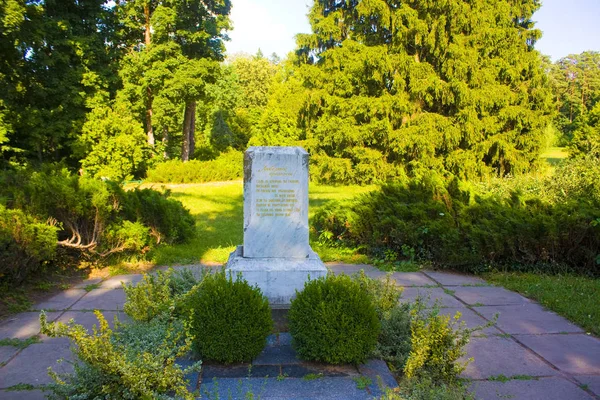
(186, 145)
(149, 130)
(193, 129)
(165, 140)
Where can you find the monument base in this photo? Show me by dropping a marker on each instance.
(277, 278)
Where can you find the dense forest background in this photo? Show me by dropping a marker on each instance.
(447, 104)
(380, 89)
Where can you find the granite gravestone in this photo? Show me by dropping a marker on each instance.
(276, 254)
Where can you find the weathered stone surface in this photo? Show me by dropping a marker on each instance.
(412, 279)
(351, 269)
(278, 278)
(575, 354)
(31, 365)
(23, 325)
(102, 299)
(22, 395)
(488, 296)
(116, 282)
(471, 319)
(543, 388)
(329, 388)
(430, 296)
(453, 279)
(276, 255)
(528, 318)
(276, 202)
(61, 301)
(592, 382)
(6, 352)
(495, 356)
(377, 370)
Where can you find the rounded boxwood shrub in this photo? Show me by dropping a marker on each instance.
(333, 320)
(230, 319)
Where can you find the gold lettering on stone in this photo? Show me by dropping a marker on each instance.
(274, 194)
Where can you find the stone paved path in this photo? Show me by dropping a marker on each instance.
(530, 353)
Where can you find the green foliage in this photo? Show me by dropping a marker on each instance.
(394, 342)
(425, 389)
(94, 217)
(230, 319)
(132, 362)
(333, 320)
(437, 343)
(455, 224)
(575, 81)
(226, 167)
(157, 294)
(167, 219)
(26, 245)
(384, 294)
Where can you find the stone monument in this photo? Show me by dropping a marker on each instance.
(276, 254)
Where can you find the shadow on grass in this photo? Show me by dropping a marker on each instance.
(218, 231)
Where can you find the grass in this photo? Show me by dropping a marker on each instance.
(218, 210)
(20, 343)
(555, 155)
(577, 298)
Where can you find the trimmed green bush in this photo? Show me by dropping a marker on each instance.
(228, 166)
(333, 320)
(230, 319)
(26, 245)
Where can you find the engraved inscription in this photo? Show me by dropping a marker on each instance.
(276, 195)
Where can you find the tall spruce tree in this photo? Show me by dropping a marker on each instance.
(398, 87)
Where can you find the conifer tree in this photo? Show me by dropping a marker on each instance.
(400, 87)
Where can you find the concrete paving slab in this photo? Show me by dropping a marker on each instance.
(488, 296)
(22, 395)
(544, 388)
(6, 352)
(350, 269)
(275, 355)
(528, 318)
(430, 296)
(102, 299)
(315, 369)
(30, 366)
(87, 283)
(454, 279)
(471, 319)
(88, 318)
(115, 282)
(575, 354)
(61, 301)
(496, 355)
(592, 382)
(412, 279)
(332, 388)
(23, 325)
(378, 372)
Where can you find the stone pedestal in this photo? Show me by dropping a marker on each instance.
(276, 254)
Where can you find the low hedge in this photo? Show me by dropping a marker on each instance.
(228, 166)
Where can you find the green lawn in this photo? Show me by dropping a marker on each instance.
(554, 155)
(576, 298)
(218, 210)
